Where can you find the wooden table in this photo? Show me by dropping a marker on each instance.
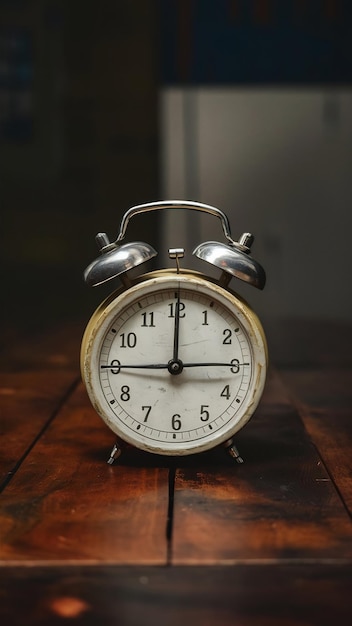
(199, 540)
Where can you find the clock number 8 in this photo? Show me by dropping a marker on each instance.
(125, 393)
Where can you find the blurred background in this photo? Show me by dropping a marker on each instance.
(243, 104)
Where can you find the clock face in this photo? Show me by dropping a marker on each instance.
(175, 365)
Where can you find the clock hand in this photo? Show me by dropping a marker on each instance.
(213, 364)
(164, 366)
(176, 326)
(148, 366)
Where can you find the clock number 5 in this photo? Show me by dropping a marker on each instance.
(204, 414)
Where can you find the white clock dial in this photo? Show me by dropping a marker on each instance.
(176, 364)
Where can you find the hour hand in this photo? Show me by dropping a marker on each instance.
(176, 327)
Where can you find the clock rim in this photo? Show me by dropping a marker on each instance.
(122, 297)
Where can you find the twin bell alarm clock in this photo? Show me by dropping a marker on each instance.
(174, 361)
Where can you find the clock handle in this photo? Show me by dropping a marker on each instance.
(175, 204)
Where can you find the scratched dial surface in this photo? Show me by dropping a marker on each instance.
(176, 365)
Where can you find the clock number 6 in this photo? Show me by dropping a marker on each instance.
(176, 422)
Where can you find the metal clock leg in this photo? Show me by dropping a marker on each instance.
(233, 451)
(115, 454)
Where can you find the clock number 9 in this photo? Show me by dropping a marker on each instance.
(115, 366)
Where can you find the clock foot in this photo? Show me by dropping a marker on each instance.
(233, 451)
(115, 454)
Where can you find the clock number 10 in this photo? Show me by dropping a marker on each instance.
(128, 340)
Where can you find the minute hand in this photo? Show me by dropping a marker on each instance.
(234, 365)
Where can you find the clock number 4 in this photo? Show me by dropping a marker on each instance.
(226, 392)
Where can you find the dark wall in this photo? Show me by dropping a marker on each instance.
(78, 144)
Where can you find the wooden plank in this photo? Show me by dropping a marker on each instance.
(280, 504)
(28, 400)
(67, 504)
(55, 349)
(249, 595)
(36, 374)
(324, 400)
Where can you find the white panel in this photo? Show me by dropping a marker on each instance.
(278, 162)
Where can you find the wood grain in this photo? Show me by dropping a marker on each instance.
(324, 401)
(245, 595)
(28, 401)
(66, 503)
(279, 505)
(269, 542)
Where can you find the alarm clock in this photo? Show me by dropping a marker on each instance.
(174, 361)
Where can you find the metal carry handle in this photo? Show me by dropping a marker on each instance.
(175, 204)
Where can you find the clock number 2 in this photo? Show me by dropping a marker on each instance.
(227, 336)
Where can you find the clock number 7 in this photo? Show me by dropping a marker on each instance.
(147, 409)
